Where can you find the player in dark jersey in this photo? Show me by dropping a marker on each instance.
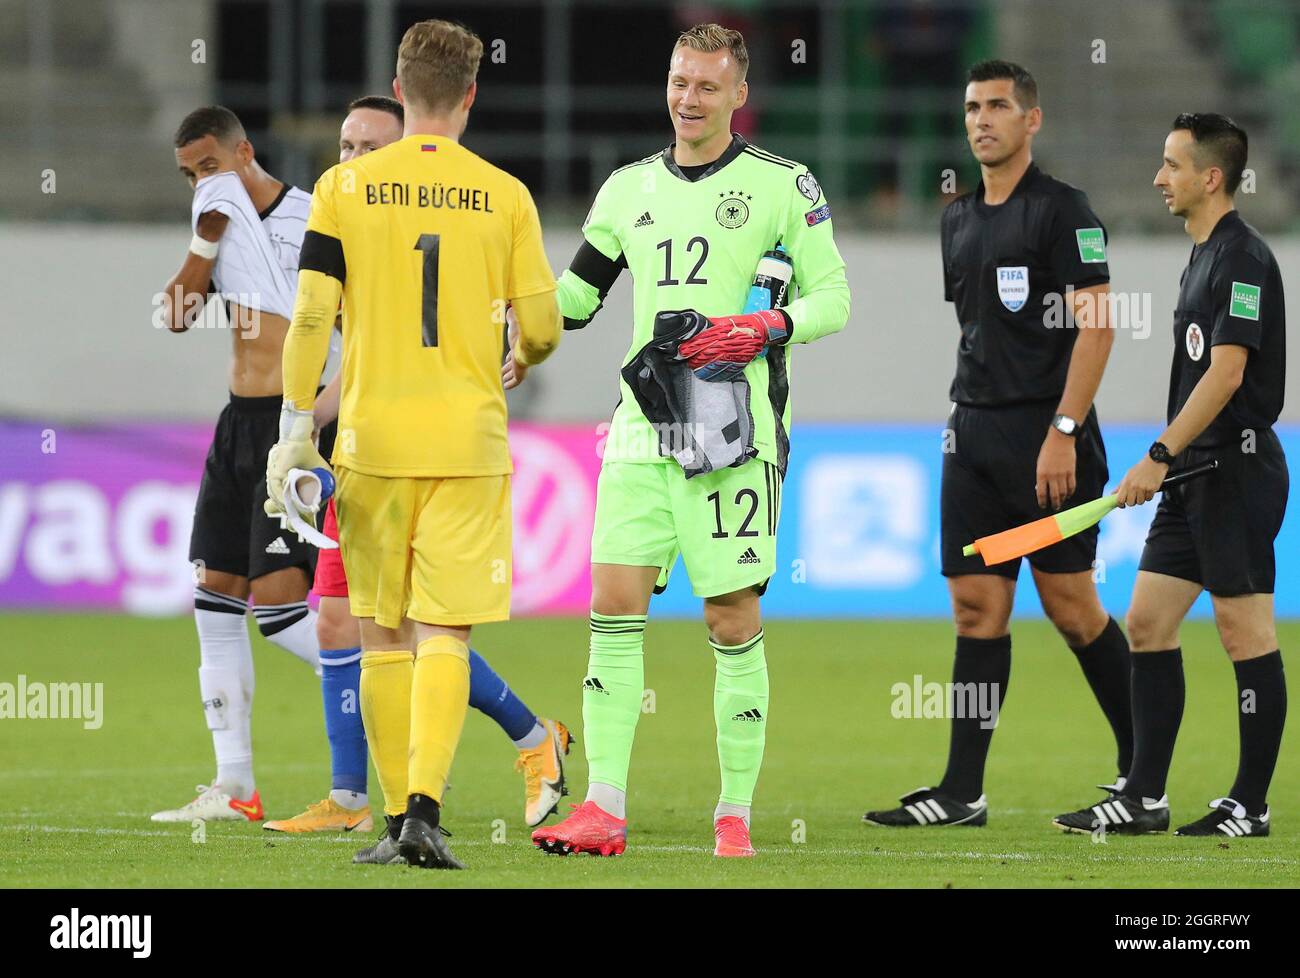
(1024, 261)
(1216, 534)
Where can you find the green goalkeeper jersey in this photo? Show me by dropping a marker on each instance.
(693, 242)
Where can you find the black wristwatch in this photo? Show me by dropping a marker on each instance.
(1066, 425)
(1159, 453)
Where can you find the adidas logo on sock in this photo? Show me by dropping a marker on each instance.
(749, 716)
(644, 221)
(592, 684)
(277, 546)
(749, 557)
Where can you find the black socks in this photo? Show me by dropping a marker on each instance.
(1158, 695)
(424, 808)
(1105, 664)
(395, 825)
(1261, 714)
(985, 662)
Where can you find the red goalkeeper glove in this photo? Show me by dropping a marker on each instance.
(722, 349)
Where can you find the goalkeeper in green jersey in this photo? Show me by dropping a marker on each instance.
(691, 224)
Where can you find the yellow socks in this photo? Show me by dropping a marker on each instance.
(386, 683)
(438, 702)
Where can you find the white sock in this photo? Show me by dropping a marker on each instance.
(726, 808)
(532, 739)
(226, 684)
(292, 627)
(349, 799)
(608, 798)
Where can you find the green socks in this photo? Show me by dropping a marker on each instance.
(611, 705)
(740, 711)
(611, 696)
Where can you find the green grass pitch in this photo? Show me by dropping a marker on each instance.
(75, 803)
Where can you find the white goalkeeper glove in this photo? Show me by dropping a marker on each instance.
(294, 450)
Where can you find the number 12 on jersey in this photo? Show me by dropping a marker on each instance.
(694, 277)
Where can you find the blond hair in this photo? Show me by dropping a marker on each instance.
(437, 62)
(714, 37)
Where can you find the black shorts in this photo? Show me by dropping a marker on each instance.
(232, 533)
(990, 465)
(1217, 531)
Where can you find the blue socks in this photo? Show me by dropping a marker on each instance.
(340, 682)
(489, 694)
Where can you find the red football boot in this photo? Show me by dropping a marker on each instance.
(732, 835)
(588, 828)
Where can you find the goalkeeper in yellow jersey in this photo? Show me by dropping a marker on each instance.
(422, 460)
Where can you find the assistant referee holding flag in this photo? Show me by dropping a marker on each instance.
(1018, 252)
(1215, 534)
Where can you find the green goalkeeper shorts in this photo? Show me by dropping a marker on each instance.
(723, 523)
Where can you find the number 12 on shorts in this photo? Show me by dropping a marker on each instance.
(745, 499)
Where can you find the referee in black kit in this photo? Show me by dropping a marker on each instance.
(1216, 534)
(1024, 435)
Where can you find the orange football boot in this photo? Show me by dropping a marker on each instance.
(325, 816)
(543, 769)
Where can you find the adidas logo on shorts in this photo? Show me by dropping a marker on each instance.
(644, 221)
(277, 546)
(749, 557)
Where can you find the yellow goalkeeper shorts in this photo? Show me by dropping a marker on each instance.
(432, 550)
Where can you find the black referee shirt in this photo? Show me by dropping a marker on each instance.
(998, 265)
(1231, 292)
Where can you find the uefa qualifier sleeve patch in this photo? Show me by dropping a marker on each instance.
(1245, 301)
(1092, 245)
(815, 217)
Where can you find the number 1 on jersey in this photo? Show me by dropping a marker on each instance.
(428, 244)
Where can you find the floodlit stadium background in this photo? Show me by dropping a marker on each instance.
(105, 418)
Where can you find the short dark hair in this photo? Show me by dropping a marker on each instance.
(211, 120)
(994, 70)
(384, 103)
(1219, 142)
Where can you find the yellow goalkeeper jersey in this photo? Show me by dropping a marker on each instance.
(427, 242)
